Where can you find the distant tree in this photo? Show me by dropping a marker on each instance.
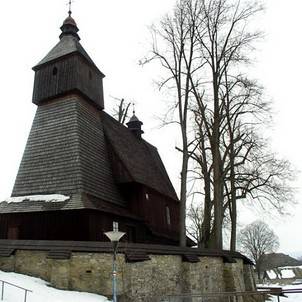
(257, 239)
(195, 214)
(120, 112)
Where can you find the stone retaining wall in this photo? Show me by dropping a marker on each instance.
(139, 281)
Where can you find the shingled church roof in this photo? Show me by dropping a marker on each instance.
(68, 153)
(140, 158)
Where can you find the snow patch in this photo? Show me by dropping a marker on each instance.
(45, 198)
(291, 297)
(41, 291)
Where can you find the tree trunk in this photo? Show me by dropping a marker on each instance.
(217, 171)
(183, 198)
(206, 225)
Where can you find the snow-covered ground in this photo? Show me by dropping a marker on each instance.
(290, 297)
(41, 291)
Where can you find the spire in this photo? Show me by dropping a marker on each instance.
(69, 26)
(69, 11)
(135, 125)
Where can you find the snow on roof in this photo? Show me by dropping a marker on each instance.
(287, 273)
(271, 274)
(290, 267)
(45, 198)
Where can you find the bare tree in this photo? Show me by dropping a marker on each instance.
(223, 39)
(174, 46)
(195, 215)
(229, 113)
(203, 48)
(257, 239)
(121, 111)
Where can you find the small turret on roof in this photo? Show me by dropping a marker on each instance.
(69, 27)
(135, 125)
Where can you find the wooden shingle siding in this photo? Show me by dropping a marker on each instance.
(66, 153)
(73, 74)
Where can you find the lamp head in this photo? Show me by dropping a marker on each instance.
(115, 236)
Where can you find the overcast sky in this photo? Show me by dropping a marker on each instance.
(116, 35)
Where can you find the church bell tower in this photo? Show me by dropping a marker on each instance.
(66, 69)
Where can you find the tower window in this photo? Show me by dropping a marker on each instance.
(55, 71)
(147, 196)
(168, 216)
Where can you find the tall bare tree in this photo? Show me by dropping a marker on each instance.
(250, 170)
(223, 39)
(204, 48)
(174, 46)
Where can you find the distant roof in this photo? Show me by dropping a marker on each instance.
(274, 260)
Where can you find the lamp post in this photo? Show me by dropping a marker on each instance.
(114, 237)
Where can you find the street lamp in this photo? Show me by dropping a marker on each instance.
(114, 237)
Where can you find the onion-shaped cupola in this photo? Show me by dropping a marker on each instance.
(68, 69)
(69, 27)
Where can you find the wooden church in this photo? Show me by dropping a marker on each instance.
(81, 169)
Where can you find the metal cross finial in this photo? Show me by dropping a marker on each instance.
(133, 106)
(69, 4)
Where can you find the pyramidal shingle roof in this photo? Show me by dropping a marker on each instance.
(68, 44)
(66, 153)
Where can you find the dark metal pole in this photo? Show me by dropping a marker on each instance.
(2, 290)
(25, 296)
(114, 287)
